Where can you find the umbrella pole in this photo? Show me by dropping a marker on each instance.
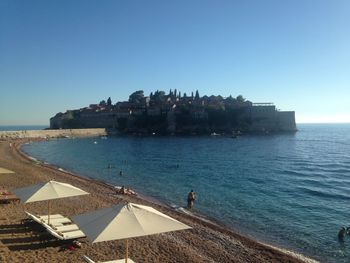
(48, 212)
(126, 251)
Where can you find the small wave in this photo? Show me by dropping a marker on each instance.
(325, 141)
(313, 182)
(321, 193)
(254, 180)
(340, 170)
(304, 173)
(174, 206)
(308, 173)
(183, 210)
(321, 171)
(293, 172)
(199, 216)
(171, 166)
(332, 166)
(331, 170)
(294, 159)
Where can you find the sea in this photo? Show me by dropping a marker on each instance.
(289, 190)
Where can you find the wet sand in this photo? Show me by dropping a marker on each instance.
(24, 241)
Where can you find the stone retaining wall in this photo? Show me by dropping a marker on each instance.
(52, 133)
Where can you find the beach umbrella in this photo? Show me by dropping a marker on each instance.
(5, 171)
(125, 221)
(46, 192)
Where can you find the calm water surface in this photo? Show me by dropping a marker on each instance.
(291, 190)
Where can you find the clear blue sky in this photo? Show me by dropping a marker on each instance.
(59, 55)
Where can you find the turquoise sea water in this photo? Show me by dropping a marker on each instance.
(290, 190)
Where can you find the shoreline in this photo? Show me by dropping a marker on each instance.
(230, 246)
(153, 200)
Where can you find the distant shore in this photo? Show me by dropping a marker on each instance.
(206, 242)
(47, 134)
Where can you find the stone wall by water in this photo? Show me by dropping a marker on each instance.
(52, 133)
(286, 120)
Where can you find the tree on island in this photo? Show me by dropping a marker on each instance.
(103, 103)
(197, 95)
(240, 98)
(230, 100)
(109, 102)
(159, 96)
(136, 97)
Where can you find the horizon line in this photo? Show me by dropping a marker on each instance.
(13, 125)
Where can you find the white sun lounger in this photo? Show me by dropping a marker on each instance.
(66, 235)
(57, 221)
(54, 216)
(57, 229)
(35, 218)
(54, 219)
(89, 260)
(66, 228)
(118, 261)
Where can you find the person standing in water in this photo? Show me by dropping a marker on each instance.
(191, 197)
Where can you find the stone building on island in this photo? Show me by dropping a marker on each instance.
(172, 113)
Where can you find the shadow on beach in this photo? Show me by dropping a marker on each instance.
(13, 229)
(27, 236)
(37, 246)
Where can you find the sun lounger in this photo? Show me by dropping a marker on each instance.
(89, 260)
(119, 261)
(65, 235)
(7, 197)
(33, 217)
(51, 216)
(58, 221)
(57, 227)
(55, 222)
(67, 228)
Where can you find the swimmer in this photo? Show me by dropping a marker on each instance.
(341, 234)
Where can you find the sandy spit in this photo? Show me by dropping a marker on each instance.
(25, 242)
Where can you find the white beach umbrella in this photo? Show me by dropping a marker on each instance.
(47, 191)
(125, 221)
(5, 171)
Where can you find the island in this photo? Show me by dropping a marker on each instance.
(177, 114)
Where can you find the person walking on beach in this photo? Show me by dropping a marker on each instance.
(191, 197)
